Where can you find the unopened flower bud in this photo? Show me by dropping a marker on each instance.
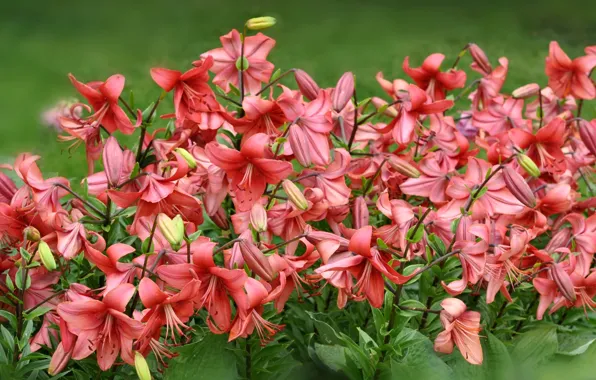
(360, 214)
(190, 160)
(259, 23)
(308, 87)
(528, 165)
(558, 240)
(343, 92)
(113, 161)
(403, 167)
(462, 232)
(172, 229)
(518, 187)
(383, 107)
(59, 360)
(563, 282)
(480, 58)
(220, 218)
(295, 195)
(142, 367)
(258, 217)
(32, 234)
(526, 91)
(242, 64)
(587, 132)
(46, 256)
(256, 260)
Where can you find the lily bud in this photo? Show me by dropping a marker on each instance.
(259, 23)
(563, 281)
(526, 91)
(343, 92)
(558, 240)
(46, 256)
(383, 106)
(528, 165)
(295, 195)
(113, 161)
(518, 187)
(32, 234)
(142, 367)
(220, 218)
(360, 214)
(462, 233)
(256, 260)
(479, 56)
(403, 167)
(190, 160)
(258, 217)
(587, 132)
(172, 229)
(308, 87)
(59, 360)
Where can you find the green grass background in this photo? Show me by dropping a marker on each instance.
(42, 41)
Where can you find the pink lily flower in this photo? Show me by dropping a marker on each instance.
(462, 328)
(429, 77)
(435, 171)
(490, 85)
(191, 89)
(552, 105)
(331, 180)
(102, 326)
(227, 61)
(260, 116)
(250, 169)
(103, 98)
(569, 77)
(501, 115)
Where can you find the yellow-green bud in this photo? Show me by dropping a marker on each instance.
(258, 217)
(142, 367)
(259, 23)
(190, 160)
(172, 229)
(403, 167)
(295, 195)
(528, 165)
(32, 234)
(46, 256)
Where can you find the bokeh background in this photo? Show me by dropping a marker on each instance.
(42, 41)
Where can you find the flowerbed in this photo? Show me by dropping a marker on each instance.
(266, 231)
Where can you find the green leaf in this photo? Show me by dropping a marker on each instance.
(535, 346)
(275, 75)
(411, 269)
(37, 312)
(381, 244)
(575, 343)
(25, 254)
(333, 357)
(12, 320)
(436, 244)
(210, 358)
(479, 194)
(414, 234)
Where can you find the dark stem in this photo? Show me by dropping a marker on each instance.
(460, 55)
(79, 198)
(416, 228)
(145, 124)
(355, 128)
(274, 81)
(374, 177)
(127, 106)
(280, 245)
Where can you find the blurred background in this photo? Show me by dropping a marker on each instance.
(42, 41)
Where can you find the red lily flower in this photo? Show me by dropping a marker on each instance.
(552, 105)
(501, 115)
(191, 89)
(490, 85)
(103, 98)
(429, 78)
(368, 265)
(216, 284)
(260, 116)
(435, 169)
(462, 328)
(102, 326)
(171, 310)
(249, 169)
(227, 61)
(569, 77)
(331, 180)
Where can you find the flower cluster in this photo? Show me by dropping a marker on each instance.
(258, 193)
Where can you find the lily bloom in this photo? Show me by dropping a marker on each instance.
(462, 328)
(217, 284)
(569, 77)
(103, 98)
(552, 105)
(250, 169)
(496, 199)
(227, 61)
(429, 77)
(102, 326)
(435, 171)
(260, 116)
(501, 115)
(331, 180)
(165, 309)
(368, 265)
(308, 138)
(490, 85)
(191, 89)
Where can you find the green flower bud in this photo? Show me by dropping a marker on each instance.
(172, 229)
(190, 160)
(295, 195)
(242, 64)
(142, 367)
(32, 234)
(46, 256)
(528, 165)
(259, 23)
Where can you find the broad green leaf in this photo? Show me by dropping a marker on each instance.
(436, 244)
(210, 358)
(576, 342)
(414, 234)
(535, 346)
